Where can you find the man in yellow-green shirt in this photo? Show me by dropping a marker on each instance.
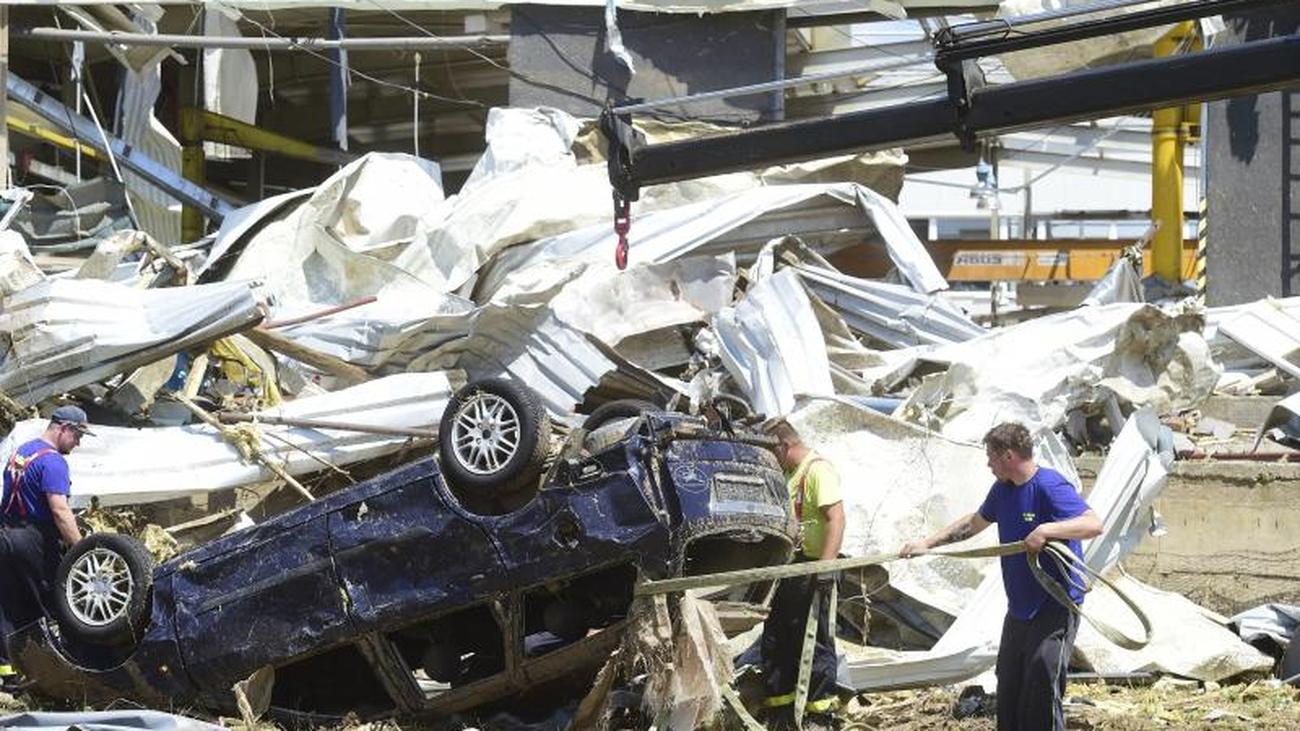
(815, 500)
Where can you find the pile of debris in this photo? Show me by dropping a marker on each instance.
(318, 337)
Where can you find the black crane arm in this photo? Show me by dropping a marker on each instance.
(971, 110)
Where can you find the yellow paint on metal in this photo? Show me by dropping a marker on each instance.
(1169, 130)
(1036, 260)
(213, 127)
(33, 127)
(193, 167)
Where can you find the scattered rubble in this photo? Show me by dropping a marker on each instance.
(319, 338)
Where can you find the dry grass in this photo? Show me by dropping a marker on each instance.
(1166, 705)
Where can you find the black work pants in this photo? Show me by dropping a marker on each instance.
(782, 643)
(28, 559)
(1032, 663)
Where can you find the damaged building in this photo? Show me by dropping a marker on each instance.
(427, 343)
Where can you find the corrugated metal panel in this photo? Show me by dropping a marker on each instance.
(705, 228)
(69, 333)
(772, 345)
(890, 313)
(123, 466)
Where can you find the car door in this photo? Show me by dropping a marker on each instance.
(259, 597)
(402, 552)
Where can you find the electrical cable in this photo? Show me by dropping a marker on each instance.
(374, 80)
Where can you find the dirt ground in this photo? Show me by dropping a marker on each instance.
(1167, 705)
(1262, 704)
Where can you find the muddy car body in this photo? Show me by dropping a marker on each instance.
(390, 597)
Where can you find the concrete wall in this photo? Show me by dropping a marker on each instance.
(674, 54)
(1233, 539)
(1253, 160)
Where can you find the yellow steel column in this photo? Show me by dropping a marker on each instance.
(1167, 135)
(193, 167)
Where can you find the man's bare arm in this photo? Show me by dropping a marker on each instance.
(834, 515)
(959, 530)
(1082, 527)
(63, 518)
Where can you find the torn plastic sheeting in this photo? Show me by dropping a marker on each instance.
(703, 228)
(134, 720)
(124, 466)
(772, 345)
(1037, 371)
(890, 313)
(68, 333)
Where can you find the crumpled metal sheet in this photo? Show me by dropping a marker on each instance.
(773, 347)
(61, 334)
(522, 337)
(890, 313)
(528, 185)
(718, 225)
(1273, 621)
(383, 336)
(18, 270)
(125, 466)
(127, 720)
(352, 236)
(1037, 371)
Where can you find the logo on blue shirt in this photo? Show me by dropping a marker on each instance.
(1027, 517)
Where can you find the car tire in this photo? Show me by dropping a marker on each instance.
(620, 409)
(478, 455)
(103, 591)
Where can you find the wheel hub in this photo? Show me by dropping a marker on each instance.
(485, 433)
(99, 587)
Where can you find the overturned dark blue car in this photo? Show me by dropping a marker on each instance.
(505, 563)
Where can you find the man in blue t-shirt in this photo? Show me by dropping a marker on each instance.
(1035, 505)
(34, 519)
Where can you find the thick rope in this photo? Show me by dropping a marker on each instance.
(1065, 557)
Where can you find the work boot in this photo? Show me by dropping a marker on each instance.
(10, 681)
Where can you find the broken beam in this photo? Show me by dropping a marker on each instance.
(323, 361)
(232, 417)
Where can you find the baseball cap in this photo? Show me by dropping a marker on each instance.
(71, 415)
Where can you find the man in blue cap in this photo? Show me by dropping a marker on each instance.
(35, 519)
